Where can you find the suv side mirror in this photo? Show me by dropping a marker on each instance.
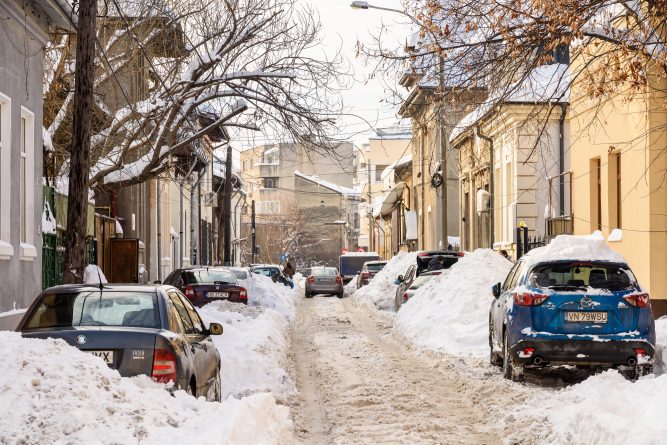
(496, 290)
(215, 329)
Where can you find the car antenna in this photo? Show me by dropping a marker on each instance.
(99, 277)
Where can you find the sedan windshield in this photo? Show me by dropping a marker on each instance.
(240, 274)
(576, 275)
(267, 271)
(210, 276)
(328, 271)
(95, 309)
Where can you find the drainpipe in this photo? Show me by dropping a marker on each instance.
(423, 207)
(491, 190)
(193, 218)
(561, 160)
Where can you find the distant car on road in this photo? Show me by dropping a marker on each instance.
(368, 271)
(324, 280)
(349, 264)
(404, 281)
(205, 284)
(418, 282)
(274, 272)
(149, 329)
(586, 313)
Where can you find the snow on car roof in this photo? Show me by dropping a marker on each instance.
(360, 254)
(578, 248)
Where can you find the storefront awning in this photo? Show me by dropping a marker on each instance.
(392, 197)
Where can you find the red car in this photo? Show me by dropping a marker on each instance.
(205, 284)
(368, 271)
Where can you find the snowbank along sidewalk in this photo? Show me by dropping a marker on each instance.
(380, 292)
(450, 313)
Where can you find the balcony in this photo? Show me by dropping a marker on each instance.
(268, 170)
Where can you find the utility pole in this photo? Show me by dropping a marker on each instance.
(79, 168)
(252, 226)
(370, 209)
(443, 152)
(159, 229)
(227, 208)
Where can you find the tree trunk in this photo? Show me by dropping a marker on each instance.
(227, 208)
(77, 201)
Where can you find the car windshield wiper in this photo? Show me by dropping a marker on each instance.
(566, 287)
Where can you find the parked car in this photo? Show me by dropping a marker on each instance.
(404, 281)
(418, 282)
(136, 329)
(368, 271)
(205, 284)
(324, 280)
(242, 274)
(274, 272)
(349, 264)
(569, 312)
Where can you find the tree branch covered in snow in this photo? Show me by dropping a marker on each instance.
(162, 69)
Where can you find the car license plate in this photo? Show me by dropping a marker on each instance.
(217, 295)
(107, 356)
(586, 317)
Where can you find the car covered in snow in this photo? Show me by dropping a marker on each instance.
(205, 284)
(573, 302)
(447, 258)
(324, 280)
(421, 280)
(368, 271)
(150, 329)
(272, 271)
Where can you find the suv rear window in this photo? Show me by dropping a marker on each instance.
(377, 267)
(93, 309)
(575, 275)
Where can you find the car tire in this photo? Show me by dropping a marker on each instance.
(308, 294)
(340, 295)
(511, 370)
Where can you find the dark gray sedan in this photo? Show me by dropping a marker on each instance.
(152, 330)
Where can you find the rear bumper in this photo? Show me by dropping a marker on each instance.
(582, 352)
(324, 288)
(201, 301)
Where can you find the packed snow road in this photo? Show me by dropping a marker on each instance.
(358, 385)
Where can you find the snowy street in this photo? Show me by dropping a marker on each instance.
(359, 385)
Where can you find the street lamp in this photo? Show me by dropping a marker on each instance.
(365, 5)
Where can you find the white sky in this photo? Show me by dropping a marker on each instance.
(341, 27)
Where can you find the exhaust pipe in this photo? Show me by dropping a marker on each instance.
(632, 361)
(537, 361)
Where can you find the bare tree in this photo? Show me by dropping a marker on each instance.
(168, 75)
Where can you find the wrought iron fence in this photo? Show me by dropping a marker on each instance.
(53, 258)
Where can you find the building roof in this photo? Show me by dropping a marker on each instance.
(59, 12)
(328, 185)
(544, 84)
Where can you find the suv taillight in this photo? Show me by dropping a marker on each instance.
(189, 292)
(529, 298)
(311, 279)
(164, 366)
(243, 294)
(638, 300)
(338, 279)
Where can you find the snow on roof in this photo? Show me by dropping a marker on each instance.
(391, 167)
(544, 84)
(326, 184)
(577, 248)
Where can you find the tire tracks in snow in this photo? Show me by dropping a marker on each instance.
(358, 385)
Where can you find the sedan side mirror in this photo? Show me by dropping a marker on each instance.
(215, 329)
(496, 290)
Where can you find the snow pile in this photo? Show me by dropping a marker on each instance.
(571, 247)
(93, 275)
(450, 313)
(381, 290)
(604, 409)
(48, 219)
(262, 291)
(660, 366)
(253, 348)
(62, 395)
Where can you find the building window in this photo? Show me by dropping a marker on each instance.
(270, 183)
(6, 249)
(26, 184)
(615, 192)
(596, 190)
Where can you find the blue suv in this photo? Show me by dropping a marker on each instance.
(566, 312)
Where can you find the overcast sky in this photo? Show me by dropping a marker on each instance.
(342, 26)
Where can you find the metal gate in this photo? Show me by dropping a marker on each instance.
(53, 258)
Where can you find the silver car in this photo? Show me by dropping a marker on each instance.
(324, 280)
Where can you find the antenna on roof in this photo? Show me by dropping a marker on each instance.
(99, 277)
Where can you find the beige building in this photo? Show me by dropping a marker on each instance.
(373, 161)
(619, 163)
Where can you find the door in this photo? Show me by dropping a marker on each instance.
(124, 260)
